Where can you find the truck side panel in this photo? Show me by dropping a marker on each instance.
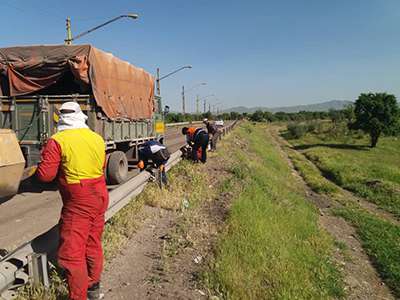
(34, 119)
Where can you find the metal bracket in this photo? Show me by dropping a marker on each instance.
(37, 267)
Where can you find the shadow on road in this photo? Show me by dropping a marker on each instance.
(31, 185)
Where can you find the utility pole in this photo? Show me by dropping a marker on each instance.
(68, 41)
(204, 103)
(197, 104)
(209, 107)
(183, 99)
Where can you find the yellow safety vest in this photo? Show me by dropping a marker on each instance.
(82, 153)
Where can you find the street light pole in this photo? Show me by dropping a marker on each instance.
(183, 99)
(187, 91)
(69, 39)
(158, 82)
(204, 101)
(197, 104)
(158, 78)
(215, 107)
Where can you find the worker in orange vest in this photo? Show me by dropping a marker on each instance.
(76, 156)
(197, 138)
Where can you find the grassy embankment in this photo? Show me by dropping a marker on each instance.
(272, 247)
(187, 185)
(372, 173)
(348, 163)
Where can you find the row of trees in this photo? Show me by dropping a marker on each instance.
(373, 113)
(179, 117)
(258, 116)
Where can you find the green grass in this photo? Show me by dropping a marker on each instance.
(311, 174)
(372, 173)
(272, 247)
(380, 238)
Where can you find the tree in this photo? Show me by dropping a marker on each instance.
(348, 113)
(281, 116)
(257, 116)
(376, 113)
(207, 115)
(234, 115)
(336, 116)
(268, 116)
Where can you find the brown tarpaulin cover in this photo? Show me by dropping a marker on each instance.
(120, 89)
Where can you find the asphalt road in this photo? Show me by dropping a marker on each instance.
(35, 210)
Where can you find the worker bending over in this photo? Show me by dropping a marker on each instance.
(157, 153)
(197, 138)
(214, 131)
(76, 155)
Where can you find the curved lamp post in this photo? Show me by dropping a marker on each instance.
(204, 103)
(69, 39)
(215, 107)
(169, 74)
(183, 95)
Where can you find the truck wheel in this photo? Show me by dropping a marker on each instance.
(117, 167)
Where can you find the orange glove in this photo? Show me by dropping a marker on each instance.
(140, 165)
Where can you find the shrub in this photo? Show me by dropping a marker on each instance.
(297, 130)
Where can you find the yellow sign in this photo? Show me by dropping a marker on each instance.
(56, 117)
(160, 127)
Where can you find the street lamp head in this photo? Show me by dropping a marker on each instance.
(188, 66)
(69, 39)
(132, 16)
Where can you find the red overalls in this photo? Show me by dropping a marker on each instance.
(78, 156)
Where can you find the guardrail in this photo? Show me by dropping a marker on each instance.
(16, 267)
(183, 123)
(186, 123)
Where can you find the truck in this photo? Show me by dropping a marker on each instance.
(35, 81)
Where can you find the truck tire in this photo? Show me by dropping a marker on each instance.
(117, 168)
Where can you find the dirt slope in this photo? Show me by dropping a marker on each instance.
(166, 256)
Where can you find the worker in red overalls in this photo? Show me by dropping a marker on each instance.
(76, 156)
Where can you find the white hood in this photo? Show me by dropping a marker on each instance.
(73, 120)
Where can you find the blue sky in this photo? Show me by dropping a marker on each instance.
(250, 53)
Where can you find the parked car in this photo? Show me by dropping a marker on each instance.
(219, 123)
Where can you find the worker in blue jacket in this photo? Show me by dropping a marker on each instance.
(155, 152)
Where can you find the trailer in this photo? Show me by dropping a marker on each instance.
(117, 97)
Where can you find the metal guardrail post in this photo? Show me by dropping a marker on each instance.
(37, 266)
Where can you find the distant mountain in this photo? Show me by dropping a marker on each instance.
(324, 106)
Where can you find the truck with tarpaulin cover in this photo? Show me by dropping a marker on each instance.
(35, 81)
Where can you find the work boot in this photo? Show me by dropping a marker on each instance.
(93, 292)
